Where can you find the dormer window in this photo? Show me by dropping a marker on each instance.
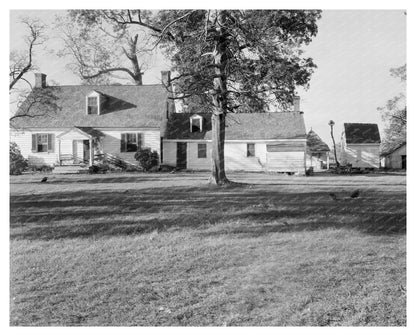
(196, 123)
(94, 102)
(92, 107)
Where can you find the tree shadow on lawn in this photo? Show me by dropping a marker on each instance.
(238, 210)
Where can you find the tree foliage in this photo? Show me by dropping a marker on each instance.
(394, 114)
(100, 50)
(147, 158)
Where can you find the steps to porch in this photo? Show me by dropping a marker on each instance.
(71, 169)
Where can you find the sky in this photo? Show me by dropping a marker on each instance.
(353, 50)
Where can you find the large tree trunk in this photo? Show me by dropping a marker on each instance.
(218, 136)
(219, 99)
(131, 54)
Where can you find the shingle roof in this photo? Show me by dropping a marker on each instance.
(314, 143)
(392, 148)
(361, 133)
(241, 126)
(124, 106)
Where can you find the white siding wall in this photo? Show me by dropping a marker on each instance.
(361, 156)
(236, 157)
(112, 139)
(24, 140)
(394, 160)
(195, 163)
(286, 162)
(110, 144)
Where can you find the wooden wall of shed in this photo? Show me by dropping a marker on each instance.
(360, 155)
(394, 160)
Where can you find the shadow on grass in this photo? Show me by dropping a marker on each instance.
(242, 210)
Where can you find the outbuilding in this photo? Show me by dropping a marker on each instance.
(360, 145)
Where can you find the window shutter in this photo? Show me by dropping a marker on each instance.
(51, 143)
(139, 141)
(34, 143)
(123, 142)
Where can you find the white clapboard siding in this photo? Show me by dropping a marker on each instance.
(195, 163)
(361, 156)
(24, 140)
(286, 161)
(112, 139)
(66, 147)
(235, 155)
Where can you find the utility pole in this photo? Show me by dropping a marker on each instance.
(332, 123)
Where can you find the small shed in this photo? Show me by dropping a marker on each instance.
(360, 145)
(395, 157)
(317, 152)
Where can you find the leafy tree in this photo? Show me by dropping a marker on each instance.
(394, 113)
(229, 60)
(17, 162)
(147, 158)
(100, 50)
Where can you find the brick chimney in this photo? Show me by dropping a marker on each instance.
(296, 104)
(40, 80)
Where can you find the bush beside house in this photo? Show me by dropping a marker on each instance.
(147, 158)
(18, 163)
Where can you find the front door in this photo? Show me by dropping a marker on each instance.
(403, 161)
(181, 155)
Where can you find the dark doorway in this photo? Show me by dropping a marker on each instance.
(181, 155)
(86, 156)
(403, 161)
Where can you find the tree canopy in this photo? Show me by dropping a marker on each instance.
(102, 51)
(394, 114)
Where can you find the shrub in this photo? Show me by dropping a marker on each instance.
(100, 168)
(18, 163)
(147, 158)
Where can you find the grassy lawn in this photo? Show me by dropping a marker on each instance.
(150, 249)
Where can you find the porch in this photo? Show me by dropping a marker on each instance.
(76, 146)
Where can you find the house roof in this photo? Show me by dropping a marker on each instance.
(356, 133)
(124, 106)
(392, 148)
(241, 126)
(314, 143)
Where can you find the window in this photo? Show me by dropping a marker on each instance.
(202, 151)
(196, 124)
(250, 150)
(92, 105)
(43, 142)
(130, 142)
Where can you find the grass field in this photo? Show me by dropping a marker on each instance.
(167, 249)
